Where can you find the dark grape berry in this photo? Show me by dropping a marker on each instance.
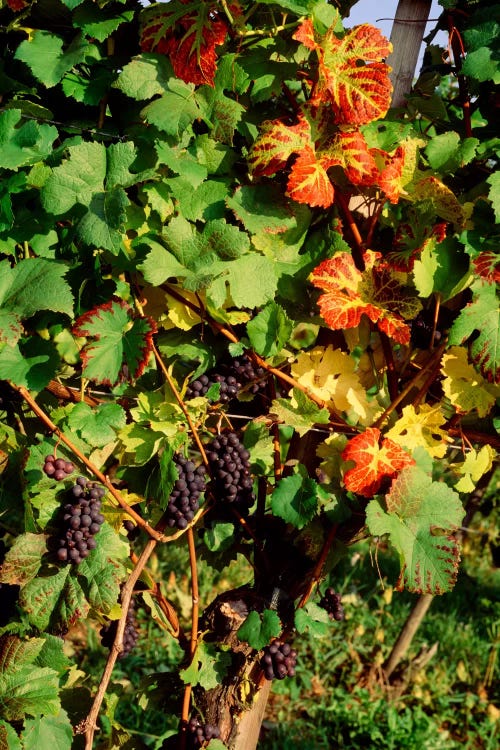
(232, 377)
(132, 530)
(81, 521)
(198, 733)
(278, 661)
(130, 635)
(230, 470)
(184, 499)
(57, 468)
(332, 603)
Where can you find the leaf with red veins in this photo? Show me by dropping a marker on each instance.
(487, 265)
(276, 143)
(359, 164)
(390, 177)
(374, 462)
(409, 242)
(188, 33)
(375, 292)
(119, 345)
(308, 182)
(351, 74)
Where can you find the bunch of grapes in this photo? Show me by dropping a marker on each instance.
(332, 603)
(130, 635)
(184, 500)
(278, 661)
(232, 377)
(82, 519)
(230, 470)
(57, 468)
(198, 733)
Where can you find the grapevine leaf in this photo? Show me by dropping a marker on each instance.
(308, 182)
(295, 500)
(464, 386)
(144, 77)
(482, 64)
(100, 573)
(208, 667)
(57, 598)
(442, 269)
(219, 537)
(481, 316)
(312, 618)
(29, 690)
(299, 412)
(276, 143)
(252, 281)
(330, 374)
(270, 330)
(23, 144)
(99, 23)
(352, 76)
(447, 152)
(118, 340)
(374, 462)
(43, 54)
(375, 292)
(258, 630)
(476, 464)
(487, 266)
(443, 199)
(31, 365)
(494, 193)
(188, 32)
(160, 264)
(9, 739)
(422, 428)
(23, 560)
(48, 733)
(420, 519)
(15, 653)
(97, 426)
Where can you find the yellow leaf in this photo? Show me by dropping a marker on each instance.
(472, 469)
(420, 429)
(330, 374)
(180, 315)
(464, 386)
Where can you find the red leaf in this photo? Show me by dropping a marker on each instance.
(309, 182)
(359, 164)
(390, 172)
(352, 75)
(17, 5)
(374, 462)
(487, 265)
(375, 292)
(189, 38)
(276, 143)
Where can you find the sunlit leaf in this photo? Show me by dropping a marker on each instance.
(375, 462)
(464, 386)
(420, 428)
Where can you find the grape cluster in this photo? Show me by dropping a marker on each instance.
(278, 661)
(82, 520)
(198, 733)
(230, 470)
(57, 468)
(132, 530)
(184, 500)
(332, 603)
(130, 635)
(232, 378)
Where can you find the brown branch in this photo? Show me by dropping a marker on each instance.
(84, 460)
(358, 245)
(70, 394)
(318, 568)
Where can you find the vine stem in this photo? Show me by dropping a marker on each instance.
(358, 249)
(186, 701)
(318, 568)
(89, 724)
(95, 471)
(258, 359)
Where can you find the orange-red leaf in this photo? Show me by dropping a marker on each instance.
(359, 164)
(188, 39)
(352, 75)
(374, 462)
(276, 143)
(309, 182)
(390, 178)
(487, 265)
(375, 292)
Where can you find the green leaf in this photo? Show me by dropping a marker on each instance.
(219, 536)
(175, 110)
(23, 560)
(482, 317)
(208, 667)
(270, 330)
(494, 193)
(48, 733)
(31, 365)
(34, 284)
(147, 75)
(23, 144)
(56, 598)
(295, 500)
(43, 54)
(160, 264)
(100, 22)
(97, 426)
(421, 519)
(447, 152)
(299, 412)
(227, 241)
(29, 690)
(88, 87)
(312, 618)
(443, 269)
(252, 280)
(258, 630)
(482, 64)
(8, 737)
(118, 339)
(102, 579)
